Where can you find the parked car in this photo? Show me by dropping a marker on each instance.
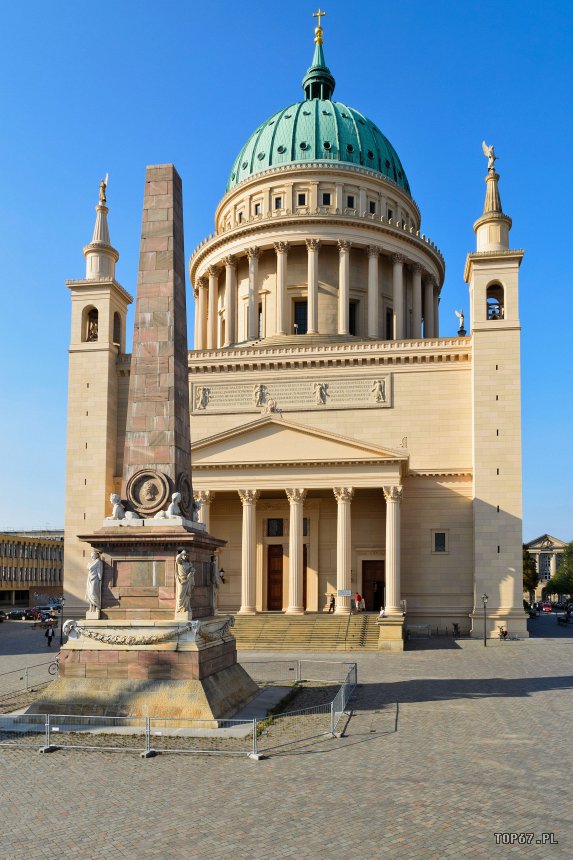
(546, 607)
(20, 614)
(53, 608)
(2, 616)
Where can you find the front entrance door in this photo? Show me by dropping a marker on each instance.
(373, 584)
(275, 578)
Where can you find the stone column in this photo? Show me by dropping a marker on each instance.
(429, 307)
(295, 552)
(343, 286)
(281, 249)
(436, 312)
(312, 246)
(417, 302)
(253, 255)
(212, 310)
(393, 496)
(249, 551)
(204, 497)
(343, 496)
(373, 302)
(398, 296)
(553, 564)
(196, 320)
(202, 311)
(230, 299)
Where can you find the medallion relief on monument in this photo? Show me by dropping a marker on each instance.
(294, 396)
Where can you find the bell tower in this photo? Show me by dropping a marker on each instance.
(99, 311)
(492, 272)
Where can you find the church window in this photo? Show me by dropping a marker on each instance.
(301, 198)
(240, 217)
(370, 154)
(349, 148)
(304, 145)
(281, 149)
(389, 324)
(260, 156)
(390, 214)
(91, 325)
(495, 302)
(275, 527)
(117, 329)
(300, 317)
(372, 207)
(327, 145)
(352, 318)
(278, 203)
(260, 310)
(257, 208)
(305, 526)
(326, 198)
(439, 541)
(350, 201)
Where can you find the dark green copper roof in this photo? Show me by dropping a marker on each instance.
(318, 129)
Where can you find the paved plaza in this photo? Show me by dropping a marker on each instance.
(448, 744)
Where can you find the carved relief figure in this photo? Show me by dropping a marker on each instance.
(202, 397)
(118, 511)
(185, 581)
(259, 394)
(378, 390)
(217, 579)
(271, 406)
(174, 510)
(93, 583)
(320, 391)
(149, 491)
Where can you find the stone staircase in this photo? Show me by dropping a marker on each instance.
(273, 631)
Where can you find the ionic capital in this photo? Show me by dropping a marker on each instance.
(344, 246)
(393, 494)
(281, 247)
(205, 497)
(296, 496)
(230, 262)
(313, 244)
(249, 497)
(398, 258)
(343, 494)
(253, 253)
(373, 251)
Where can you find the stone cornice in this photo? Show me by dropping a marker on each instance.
(85, 284)
(441, 473)
(503, 254)
(284, 219)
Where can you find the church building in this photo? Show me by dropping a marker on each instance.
(338, 443)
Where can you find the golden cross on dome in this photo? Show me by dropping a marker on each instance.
(318, 30)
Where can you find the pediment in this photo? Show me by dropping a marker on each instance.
(274, 441)
(545, 542)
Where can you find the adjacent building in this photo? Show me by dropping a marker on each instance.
(31, 567)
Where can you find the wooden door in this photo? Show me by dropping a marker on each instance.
(275, 578)
(373, 584)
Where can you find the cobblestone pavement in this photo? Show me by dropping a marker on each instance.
(445, 748)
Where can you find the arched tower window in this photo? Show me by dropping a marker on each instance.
(495, 302)
(117, 329)
(91, 325)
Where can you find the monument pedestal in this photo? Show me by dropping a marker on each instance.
(143, 656)
(391, 633)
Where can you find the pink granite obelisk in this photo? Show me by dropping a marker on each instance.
(157, 458)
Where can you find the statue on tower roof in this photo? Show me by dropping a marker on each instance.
(489, 153)
(102, 189)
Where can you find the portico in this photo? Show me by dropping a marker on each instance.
(291, 522)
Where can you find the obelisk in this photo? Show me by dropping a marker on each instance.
(157, 458)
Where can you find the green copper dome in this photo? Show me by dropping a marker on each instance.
(318, 129)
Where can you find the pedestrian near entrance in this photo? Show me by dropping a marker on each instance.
(49, 634)
(358, 601)
(331, 604)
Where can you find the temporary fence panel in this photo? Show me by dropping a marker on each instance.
(27, 679)
(218, 737)
(23, 730)
(292, 727)
(71, 731)
(273, 671)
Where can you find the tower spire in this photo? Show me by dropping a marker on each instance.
(100, 255)
(492, 229)
(318, 83)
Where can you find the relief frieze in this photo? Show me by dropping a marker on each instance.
(317, 394)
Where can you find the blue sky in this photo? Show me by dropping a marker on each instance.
(113, 86)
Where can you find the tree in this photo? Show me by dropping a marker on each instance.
(530, 575)
(562, 582)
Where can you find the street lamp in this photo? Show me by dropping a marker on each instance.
(484, 598)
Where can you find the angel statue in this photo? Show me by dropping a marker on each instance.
(460, 316)
(489, 153)
(102, 189)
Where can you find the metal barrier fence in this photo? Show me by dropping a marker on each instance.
(150, 735)
(27, 679)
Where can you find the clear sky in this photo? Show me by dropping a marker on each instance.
(118, 84)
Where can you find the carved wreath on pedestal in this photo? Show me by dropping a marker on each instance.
(147, 492)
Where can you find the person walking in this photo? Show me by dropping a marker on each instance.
(331, 604)
(358, 601)
(49, 635)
